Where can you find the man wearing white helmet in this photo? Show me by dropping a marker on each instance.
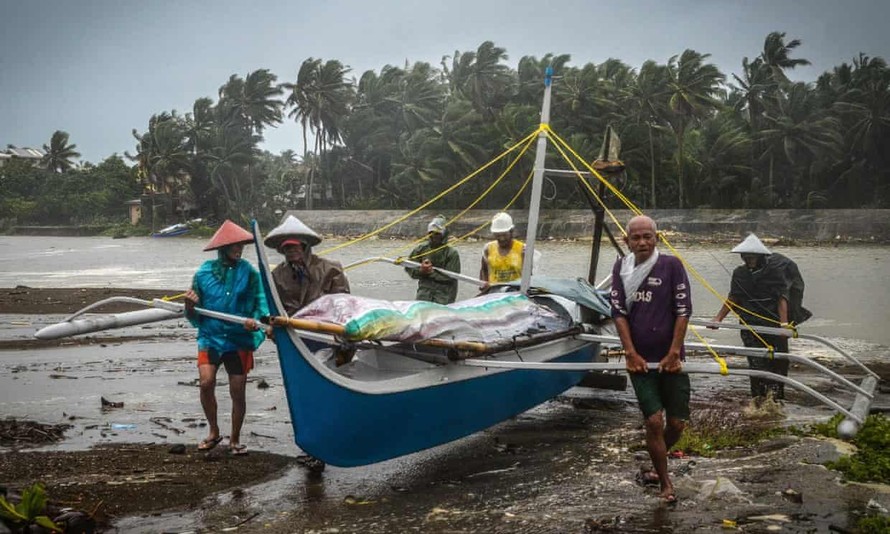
(502, 258)
(434, 286)
(769, 289)
(302, 277)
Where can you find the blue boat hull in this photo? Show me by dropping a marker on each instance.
(347, 424)
(349, 428)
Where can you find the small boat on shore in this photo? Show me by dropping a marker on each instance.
(172, 231)
(177, 229)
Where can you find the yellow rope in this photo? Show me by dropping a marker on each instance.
(174, 297)
(637, 211)
(724, 370)
(478, 199)
(590, 188)
(432, 200)
(487, 223)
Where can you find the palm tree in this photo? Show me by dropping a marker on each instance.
(320, 99)
(481, 78)
(647, 101)
(59, 153)
(232, 150)
(860, 94)
(252, 101)
(693, 86)
(776, 56)
(722, 162)
(800, 134)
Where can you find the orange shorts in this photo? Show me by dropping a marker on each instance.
(237, 362)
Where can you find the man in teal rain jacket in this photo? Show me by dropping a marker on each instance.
(433, 286)
(228, 284)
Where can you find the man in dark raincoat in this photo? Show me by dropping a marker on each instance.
(769, 288)
(433, 286)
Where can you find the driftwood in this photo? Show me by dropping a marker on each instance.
(17, 433)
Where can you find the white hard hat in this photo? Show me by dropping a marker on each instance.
(751, 245)
(501, 223)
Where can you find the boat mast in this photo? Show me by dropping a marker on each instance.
(537, 181)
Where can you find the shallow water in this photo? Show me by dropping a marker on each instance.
(531, 457)
(844, 283)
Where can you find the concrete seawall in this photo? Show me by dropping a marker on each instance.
(805, 225)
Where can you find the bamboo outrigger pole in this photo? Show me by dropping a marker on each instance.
(408, 263)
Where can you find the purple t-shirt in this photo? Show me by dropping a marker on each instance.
(660, 299)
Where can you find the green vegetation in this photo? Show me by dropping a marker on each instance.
(29, 510)
(871, 462)
(691, 135)
(720, 428)
(875, 524)
(88, 194)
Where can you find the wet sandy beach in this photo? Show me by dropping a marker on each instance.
(566, 466)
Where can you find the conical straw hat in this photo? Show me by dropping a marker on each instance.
(291, 228)
(229, 233)
(751, 245)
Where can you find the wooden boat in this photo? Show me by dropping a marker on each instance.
(396, 398)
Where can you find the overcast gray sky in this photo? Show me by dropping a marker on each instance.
(99, 68)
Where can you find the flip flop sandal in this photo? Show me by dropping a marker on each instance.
(239, 449)
(209, 444)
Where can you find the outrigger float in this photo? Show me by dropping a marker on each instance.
(398, 396)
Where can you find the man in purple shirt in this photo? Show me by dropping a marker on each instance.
(651, 305)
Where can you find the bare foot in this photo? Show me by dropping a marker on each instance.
(667, 495)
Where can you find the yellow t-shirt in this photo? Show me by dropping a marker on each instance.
(504, 268)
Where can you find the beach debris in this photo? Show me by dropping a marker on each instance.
(791, 495)
(122, 426)
(262, 384)
(162, 422)
(238, 524)
(356, 501)
(58, 376)
(603, 524)
(107, 404)
(19, 433)
(875, 505)
(179, 448)
(257, 434)
(495, 471)
(720, 488)
(72, 520)
(777, 518)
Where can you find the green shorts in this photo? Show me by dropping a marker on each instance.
(668, 391)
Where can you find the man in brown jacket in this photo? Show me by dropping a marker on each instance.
(302, 277)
